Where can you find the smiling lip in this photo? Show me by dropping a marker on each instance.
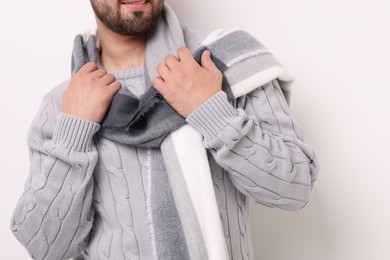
(134, 5)
(133, 2)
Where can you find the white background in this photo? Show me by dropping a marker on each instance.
(338, 52)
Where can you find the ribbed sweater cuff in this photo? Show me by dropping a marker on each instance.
(74, 133)
(213, 115)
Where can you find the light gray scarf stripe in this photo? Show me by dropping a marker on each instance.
(164, 39)
(171, 243)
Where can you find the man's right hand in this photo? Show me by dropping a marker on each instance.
(90, 93)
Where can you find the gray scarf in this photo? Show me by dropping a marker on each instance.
(148, 120)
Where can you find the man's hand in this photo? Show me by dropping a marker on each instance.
(185, 84)
(89, 93)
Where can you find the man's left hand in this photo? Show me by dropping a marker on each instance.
(185, 84)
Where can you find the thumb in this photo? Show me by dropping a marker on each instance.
(206, 61)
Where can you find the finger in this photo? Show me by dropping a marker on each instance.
(114, 87)
(99, 73)
(108, 79)
(171, 61)
(163, 70)
(89, 67)
(158, 83)
(207, 62)
(184, 54)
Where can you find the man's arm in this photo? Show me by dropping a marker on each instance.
(54, 216)
(260, 145)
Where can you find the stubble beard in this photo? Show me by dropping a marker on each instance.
(140, 22)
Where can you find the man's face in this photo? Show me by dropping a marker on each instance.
(128, 17)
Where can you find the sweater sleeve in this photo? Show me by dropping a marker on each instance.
(53, 217)
(260, 145)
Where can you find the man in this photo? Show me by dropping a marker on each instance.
(104, 183)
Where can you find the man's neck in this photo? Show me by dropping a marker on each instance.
(120, 52)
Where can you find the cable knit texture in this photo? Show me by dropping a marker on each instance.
(88, 196)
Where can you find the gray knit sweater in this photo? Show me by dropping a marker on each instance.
(88, 196)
